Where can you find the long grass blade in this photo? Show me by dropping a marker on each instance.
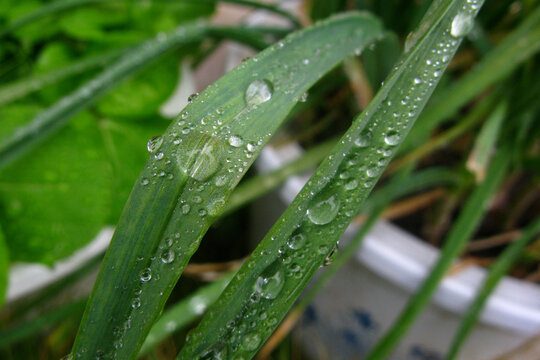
(460, 233)
(273, 277)
(20, 88)
(496, 272)
(191, 172)
(55, 117)
(516, 48)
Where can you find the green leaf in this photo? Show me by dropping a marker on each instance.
(51, 57)
(58, 115)
(191, 172)
(57, 197)
(143, 94)
(125, 145)
(4, 267)
(270, 281)
(90, 23)
(497, 270)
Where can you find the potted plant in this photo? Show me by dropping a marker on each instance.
(187, 183)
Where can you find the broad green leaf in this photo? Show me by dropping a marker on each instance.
(22, 87)
(461, 232)
(4, 267)
(191, 172)
(273, 277)
(497, 270)
(58, 115)
(57, 197)
(51, 57)
(143, 94)
(125, 145)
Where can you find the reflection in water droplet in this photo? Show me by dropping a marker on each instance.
(258, 92)
(323, 211)
(271, 281)
(154, 143)
(461, 25)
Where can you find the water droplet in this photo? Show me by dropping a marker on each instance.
(417, 81)
(297, 240)
(154, 143)
(251, 341)
(146, 275)
(363, 140)
(258, 92)
(167, 256)
(461, 25)
(304, 97)
(236, 141)
(185, 209)
(351, 185)
(322, 211)
(271, 281)
(136, 303)
(216, 353)
(372, 171)
(332, 256)
(200, 156)
(392, 138)
(192, 97)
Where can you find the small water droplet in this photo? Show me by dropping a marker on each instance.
(192, 97)
(372, 171)
(322, 211)
(271, 281)
(251, 341)
(167, 256)
(297, 240)
(154, 143)
(351, 185)
(258, 92)
(363, 140)
(329, 259)
(146, 275)
(461, 25)
(136, 303)
(185, 209)
(236, 141)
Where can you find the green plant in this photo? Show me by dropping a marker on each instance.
(84, 131)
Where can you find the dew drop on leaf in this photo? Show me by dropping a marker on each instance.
(146, 275)
(235, 141)
(200, 156)
(258, 92)
(461, 25)
(251, 341)
(271, 281)
(329, 259)
(322, 211)
(297, 240)
(392, 138)
(167, 256)
(154, 143)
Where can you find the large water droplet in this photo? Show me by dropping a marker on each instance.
(258, 92)
(363, 140)
(271, 281)
(236, 141)
(200, 156)
(461, 25)
(324, 210)
(154, 143)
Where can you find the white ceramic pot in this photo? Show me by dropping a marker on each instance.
(365, 297)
